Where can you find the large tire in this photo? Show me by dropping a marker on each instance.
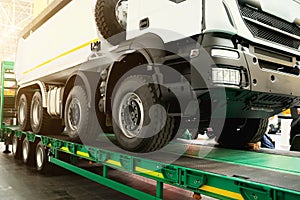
(24, 112)
(237, 133)
(80, 119)
(41, 122)
(134, 129)
(295, 130)
(107, 21)
(28, 151)
(101, 117)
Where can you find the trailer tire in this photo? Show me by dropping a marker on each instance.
(81, 123)
(24, 112)
(41, 158)
(40, 120)
(140, 96)
(107, 21)
(237, 133)
(16, 147)
(28, 151)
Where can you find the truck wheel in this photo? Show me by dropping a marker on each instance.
(111, 19)
(237, 133)
(295, 130)
(16, 147)
(41, 158)
(24, 112)
(28, 150)
(40, 120)
(131, 116)
(79, 119)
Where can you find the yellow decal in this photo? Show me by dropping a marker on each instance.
(149, 172)
(82, 154)
(66, 149)
(112, 162)
(222, 192)
(59, 56)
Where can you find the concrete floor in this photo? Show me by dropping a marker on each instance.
(21, 182)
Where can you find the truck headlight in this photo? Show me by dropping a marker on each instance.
(226, 76)
(224, 53)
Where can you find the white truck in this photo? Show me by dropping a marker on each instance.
(73, 62)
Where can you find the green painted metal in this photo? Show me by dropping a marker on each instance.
(105, 181)
(280, 163)
(203, 182)
(159, 190)
(105, 171)
(5, 65)
(179, 176)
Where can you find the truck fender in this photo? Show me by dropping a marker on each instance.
(88, 80)
(32, 86)
(147, 48)
(150, 45)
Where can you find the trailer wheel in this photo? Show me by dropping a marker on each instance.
(41, 158)
(40, 120)
(79, 120)
(132, 104)
(28, 151)
(16, 147)
(24, 112)
(111, 19)
(237, 133)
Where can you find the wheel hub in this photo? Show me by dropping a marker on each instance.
(22, 112)
(25, 150)
(39, 157)
(14, 145)
(36, 113)
(121, 13)
(74, 114)
(131, 115)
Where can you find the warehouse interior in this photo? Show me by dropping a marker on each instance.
(15, 15)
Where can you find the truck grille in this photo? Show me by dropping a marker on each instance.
(270, 101)
(268, 27)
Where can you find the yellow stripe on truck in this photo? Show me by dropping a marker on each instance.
(149, 172)
(66, 149)
(225, 193)
(84, 154)
(113, 162)
(59, 56)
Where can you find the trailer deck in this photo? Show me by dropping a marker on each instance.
(222, 173)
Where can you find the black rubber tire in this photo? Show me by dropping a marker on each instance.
(86, 129)
(41, 158)
(24, 124)
(295, 130)
(107, 23)
(101, 117)
(146, 92)
(28, 152)
(237, 133)
(45, 124)
(16, 147)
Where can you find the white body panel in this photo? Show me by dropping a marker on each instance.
(63, 41)
(60, 43)
(169, 20)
